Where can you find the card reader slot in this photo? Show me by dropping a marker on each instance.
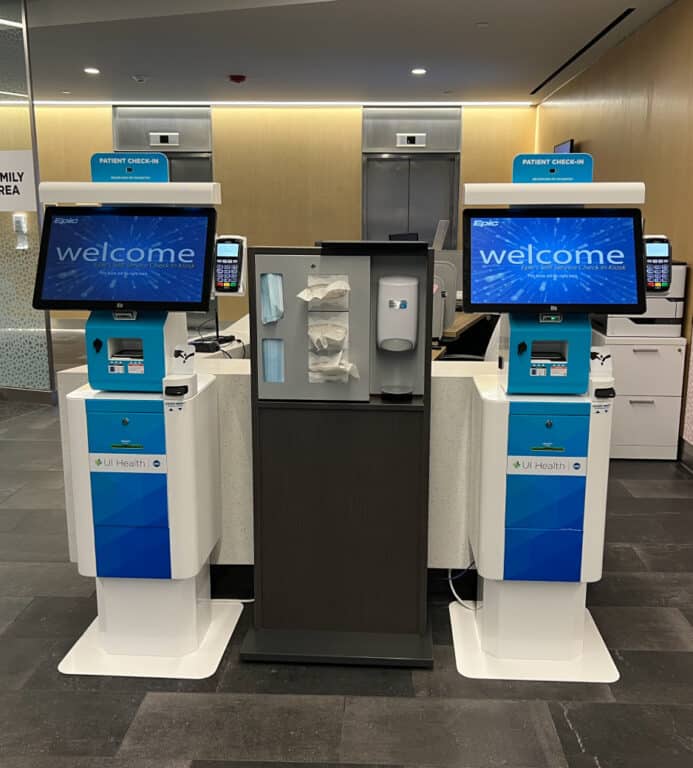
(127, 446)
(547, 449)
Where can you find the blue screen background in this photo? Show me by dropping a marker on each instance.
(537, 284)
(86, 281)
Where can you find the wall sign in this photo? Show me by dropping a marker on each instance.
(565, 168)
(129, 166)
(17, 185)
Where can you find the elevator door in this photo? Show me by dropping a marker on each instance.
(410, 194)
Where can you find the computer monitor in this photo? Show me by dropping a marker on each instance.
(126, 258)
(565, 147)
(553, 260)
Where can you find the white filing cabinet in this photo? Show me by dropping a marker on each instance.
(649, 381)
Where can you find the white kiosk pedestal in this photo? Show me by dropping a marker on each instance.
(530, 631)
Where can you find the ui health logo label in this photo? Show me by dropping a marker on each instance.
(149, 463)
(563, 466)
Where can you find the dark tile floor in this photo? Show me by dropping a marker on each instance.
(280, 715)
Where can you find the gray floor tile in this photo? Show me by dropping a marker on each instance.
(450, 733)
(19, 658)
(10, 608)
(40, 521)
(649, 508)
(36, 478)
(43, 580)
(54, 617)
(316, 680)
(53, 761)
(244, 764)
(622, 557)
(12, 409)
(439, 616)
(620, 469)
(644, 629)
(237, 727)
(444, 681)
(10, 519)
(45, 676)
(45, 722)
(627, 735)
(661, 489)
(643, 589)
(18, 429)
(30, 497)
(30, 454)
(677, 558)
(33, 547)
(617, 490)
(648, 677)
(664, 528)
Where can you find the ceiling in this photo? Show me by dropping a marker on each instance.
(329, 50)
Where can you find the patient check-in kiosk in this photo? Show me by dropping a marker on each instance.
(542, 425)
(143, 435)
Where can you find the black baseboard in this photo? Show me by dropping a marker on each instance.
(236, 581)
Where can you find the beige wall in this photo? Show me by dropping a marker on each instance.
(15, 132)
(633, 111)
(289, 176)
(491, 137)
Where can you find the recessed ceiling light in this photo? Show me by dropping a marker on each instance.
(482, 25)
(66, 93)
(92, 71)
(419, 71)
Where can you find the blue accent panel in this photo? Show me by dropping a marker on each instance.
(130, 167)
(553, 503)
(126, 432)
(132, 553)
(114, 375)
(543, 408)
(574, 332)
(540, 555)
(108, 405)
(552, 167)
(548, 435)
(128, 498)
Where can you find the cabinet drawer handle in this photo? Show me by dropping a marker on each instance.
(646, 349)
(641, 402)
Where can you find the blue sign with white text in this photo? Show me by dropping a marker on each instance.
(113, 257)
(566, 168)
(133, 166)
(553, 260)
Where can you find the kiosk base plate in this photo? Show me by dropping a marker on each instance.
(87, 657)
(594, 666)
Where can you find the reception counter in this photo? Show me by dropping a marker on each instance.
(451, 448)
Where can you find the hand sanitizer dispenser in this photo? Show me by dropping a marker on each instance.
(397, 313)
(398, 318)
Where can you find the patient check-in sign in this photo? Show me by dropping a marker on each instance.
(17, 187)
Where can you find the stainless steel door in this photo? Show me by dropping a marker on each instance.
(410, 194)
(386, 198)
(432, 197)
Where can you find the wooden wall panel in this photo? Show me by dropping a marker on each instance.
(68, 137)
(15, 132)
(491, 137)
(289, 176)
(633, 111)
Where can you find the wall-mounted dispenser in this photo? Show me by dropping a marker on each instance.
(397, 313)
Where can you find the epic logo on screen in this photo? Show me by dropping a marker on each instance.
(135, 255)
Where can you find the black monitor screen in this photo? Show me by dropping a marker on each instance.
(126, 258)
(554, 259)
